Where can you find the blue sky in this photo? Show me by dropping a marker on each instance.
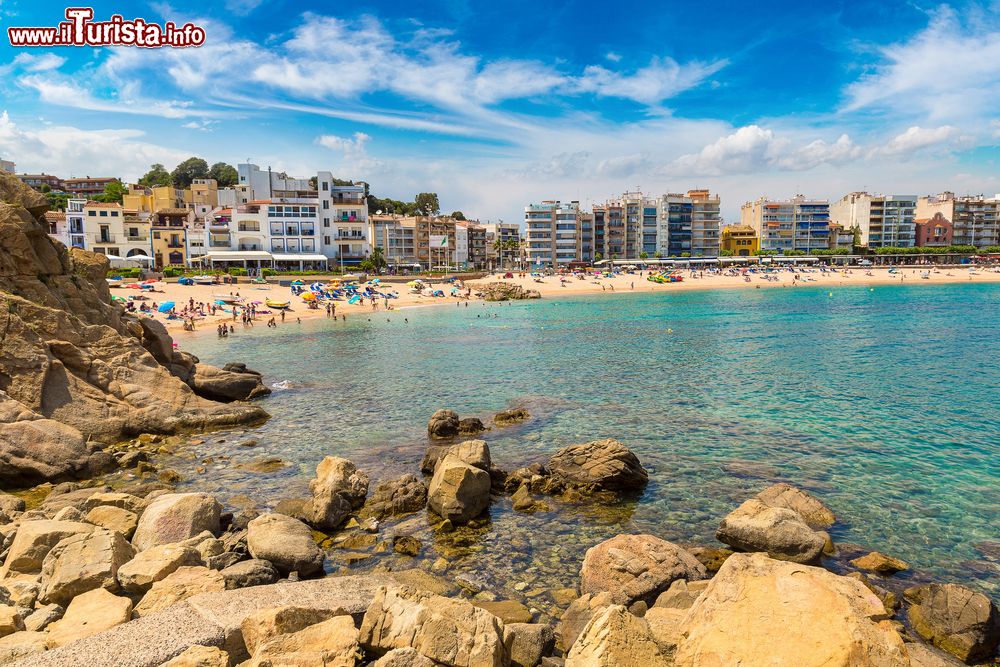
(494, 105)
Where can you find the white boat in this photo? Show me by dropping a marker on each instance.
(225, 298)
(114, 282)
(203, 280)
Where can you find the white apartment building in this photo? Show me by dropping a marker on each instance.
(7, 166)
(885, 221)
(687, 223)
(343, 212)
(461, 245)
(552, 232)
(509, 235)
(108, 230)
(74, 224)
(260, 184)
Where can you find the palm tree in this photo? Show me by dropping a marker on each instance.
(498, 248)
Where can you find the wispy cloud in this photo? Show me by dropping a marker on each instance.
(68, 94)
(915, 139)
(31, 62)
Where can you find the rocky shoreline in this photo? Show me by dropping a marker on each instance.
(77, 372)
(124, 559)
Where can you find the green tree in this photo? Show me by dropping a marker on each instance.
(45, 189)
(367, 266)
(458, 215)
(188, 170)
(57, 200)
(113, 192)
(598, 256)
(377, 259)
(427, 203)
(725, 253)
(224, 174)
(155, 177)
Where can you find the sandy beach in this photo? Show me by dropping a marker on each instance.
(548, 287)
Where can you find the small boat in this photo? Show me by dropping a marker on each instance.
(225, 298)
(203, 280)
(274, 303)
(114, 282)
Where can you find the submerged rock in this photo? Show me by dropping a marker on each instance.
(880, 563)
(402, 495)
(512, 416)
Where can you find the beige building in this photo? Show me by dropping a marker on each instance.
(884, 221)
(553, 233)
(975, 219)
(202, 197)
(798, 223)
(110, 229)
(146, 201)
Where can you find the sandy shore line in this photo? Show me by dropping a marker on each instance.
(549, 287)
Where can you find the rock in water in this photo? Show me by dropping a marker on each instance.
(880, 563)
(458, 491)
(448, 631)
(71, 356)
(338, 489)
(225, 386)
(602, 465)
(173, 517)
(443, 424)
(286, 542)
(402, 495)
(755, 526)
(812, 510)
(512, 416)
(507, 292)
(761, 611)
(956, 619)
(636, 567)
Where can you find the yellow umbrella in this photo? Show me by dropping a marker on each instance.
(414, 283)
(308, 296)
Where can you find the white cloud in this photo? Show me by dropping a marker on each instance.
(948, 71)
(73, 151)
(69, 94)
(352, 147)
(916, 138)
(613, 57)
(30, 62)
(242, 7)
(660, 80)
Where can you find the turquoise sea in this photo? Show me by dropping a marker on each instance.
(884, 402)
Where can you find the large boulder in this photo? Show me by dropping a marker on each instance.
(458, 491)
(330, 643)
(226, 386)
(83, 562)
(446, 630)
(443, 424)
(173, 517)
(958, 620)
(34, 449)
(601, 465)
(762, 611)
(253, 572)
(115, 519)
(810, 508)
(577, 616)
(182, 583)
(528, 643)
(636, 567)
(261, 626)
(474, 452)
(88, 614)
(154, 564)
(781, 533)
(402, 495)
(500, 291)
(286, 542)
(33, 542)
(616, 638)
(338, 489)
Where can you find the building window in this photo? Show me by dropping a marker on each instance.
(326, 240)
(104, 214)
(326, 203)
(326, 222)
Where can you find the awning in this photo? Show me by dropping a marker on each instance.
(236, 256)
(292, 257)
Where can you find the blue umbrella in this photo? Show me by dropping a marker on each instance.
(166, 307)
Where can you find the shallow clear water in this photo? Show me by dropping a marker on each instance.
(883, 401)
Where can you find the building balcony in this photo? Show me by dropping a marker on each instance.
(141, 238)
(220, 244)
(175, 246)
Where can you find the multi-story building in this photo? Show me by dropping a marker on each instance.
(688, 224)
(739, 240)
(975, 219)
(76, 228)
(791, 224)
(884, 221)
(461, 244)
(936, 231)
(36, 181)
(508, 235)
(396, 239)
(434, 240)
(169, 228)
(478, 249)
(263, 184)
(87, 186)
(248, 227)
(552, 232)
(146, 201)
(8, 166)
(112, 230)
(292, 230)
(841, 238)
(344, 213)
(202, 197)
(57, 229)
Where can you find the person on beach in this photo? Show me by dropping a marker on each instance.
(282, 316)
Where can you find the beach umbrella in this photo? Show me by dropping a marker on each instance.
(308, 296)
(220, 303)
(354, 299)
(166, 307)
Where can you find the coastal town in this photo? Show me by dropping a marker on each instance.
(267, 219)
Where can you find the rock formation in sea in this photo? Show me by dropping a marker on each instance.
(76, 371)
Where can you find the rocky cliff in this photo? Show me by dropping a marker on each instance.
(75, 371)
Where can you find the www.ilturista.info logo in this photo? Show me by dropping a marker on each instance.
(80, 30)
